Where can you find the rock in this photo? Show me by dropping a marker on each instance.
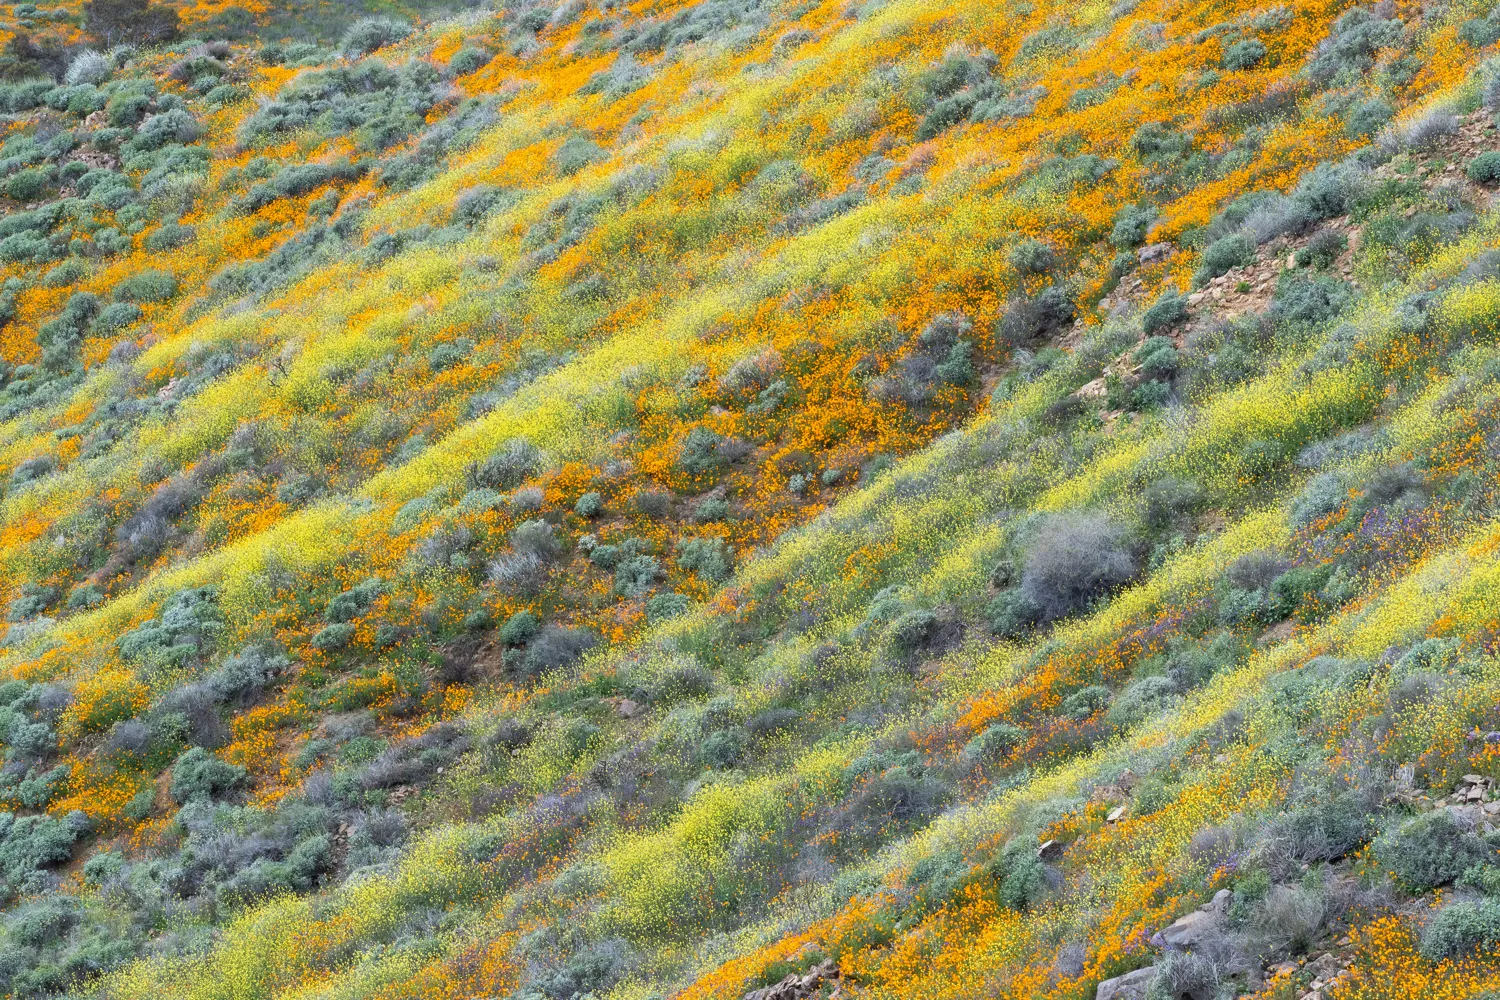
(1050, 851)
(1282, 969)
(1471, 779)
(1187, 933)
(627, 709)
(1115, 815)
(1131, 986)
(1467, 817)
(1219, 904)
(1325, 966)
(1154, 252)
(796, 987)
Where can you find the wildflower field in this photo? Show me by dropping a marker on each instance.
(758, 499)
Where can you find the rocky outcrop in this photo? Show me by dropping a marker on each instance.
(1131, 986)
(806, 984)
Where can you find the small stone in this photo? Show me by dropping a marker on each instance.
(627, 709)
(1115, 815)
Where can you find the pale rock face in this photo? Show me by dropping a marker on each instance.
(1131, 986)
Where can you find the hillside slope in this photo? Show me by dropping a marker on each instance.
(695, 499)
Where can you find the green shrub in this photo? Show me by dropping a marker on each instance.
(711, 511)
(28, 185)
(1320, 830)
(1368, 117)
(1308, 300)
(886, 802)
(371, 33)
(520, 628)
(1323, 249)
(31, 843)
(1481, 32)
(555, 647)
(1012, 613)
(1032, 257)
(468, 59)
(332, 637)
(1141, 699)
(1019, 876)
(1244, 54)
(590, 505)
(198, 775)
(911, 630)
(1150, 396)
(509, 466)
(117, 315)
(710, 558)
(1086, 701)
(1131, 225)
(1157, 357)
(723, 749)
(635, 575)
(161, 130)
(1168, 310)
(1222, 255)
(575, 154)
(69, 272)
(1462, 929)
(146, 286)
(354, 602)
(1328, 190)
(1349, 51)
(1484, 168)
(664, 606)
(1430, 851)
(169, 236)
(996, 742)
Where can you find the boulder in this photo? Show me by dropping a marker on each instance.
(1219, 905)
(1131, 986)
(1189, 932)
